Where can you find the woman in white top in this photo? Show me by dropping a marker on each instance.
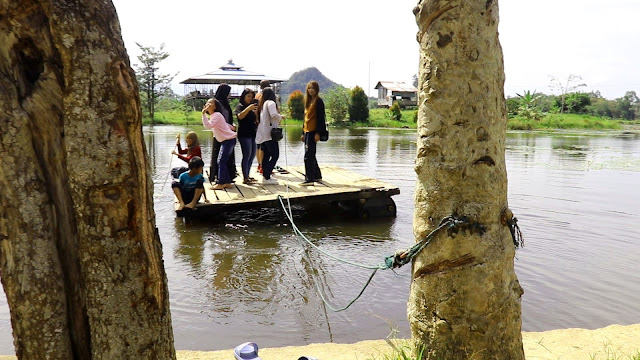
(270, 117)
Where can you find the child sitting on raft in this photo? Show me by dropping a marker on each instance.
(190, 185)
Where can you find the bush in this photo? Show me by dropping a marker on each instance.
(337, 103)
(296, 105)
(359, 106)
(395, 112)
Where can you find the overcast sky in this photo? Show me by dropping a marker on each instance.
(360, 42)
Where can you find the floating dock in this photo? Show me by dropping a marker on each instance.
(359, 195)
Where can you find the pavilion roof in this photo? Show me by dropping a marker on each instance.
(231, 73)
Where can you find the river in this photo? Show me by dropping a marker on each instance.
(245, 279)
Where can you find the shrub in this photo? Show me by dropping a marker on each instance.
(296, 105)
(359, 106)
(395, 112)
(337, 103)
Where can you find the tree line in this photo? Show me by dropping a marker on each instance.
(532, 105)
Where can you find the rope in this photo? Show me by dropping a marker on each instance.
(516, 234)
(399, 259)
(396, 260)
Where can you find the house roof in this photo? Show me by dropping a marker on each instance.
(396, 86)
(231, 73)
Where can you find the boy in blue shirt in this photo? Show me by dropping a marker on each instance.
(190, 185)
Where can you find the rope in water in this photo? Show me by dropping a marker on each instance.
(396, 260)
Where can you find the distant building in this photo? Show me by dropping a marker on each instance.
(394, 91)
(205, 86)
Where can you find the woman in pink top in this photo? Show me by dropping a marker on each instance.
(225, 134)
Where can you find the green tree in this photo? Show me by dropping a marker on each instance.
(576, 103)
(359, 106)
(337, 103)
(628, 105)
(296, 105)
(153, 84)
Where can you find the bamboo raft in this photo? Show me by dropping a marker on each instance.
(360, 195)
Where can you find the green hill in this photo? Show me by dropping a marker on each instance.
(299, 80)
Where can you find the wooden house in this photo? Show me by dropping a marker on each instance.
(396, 91)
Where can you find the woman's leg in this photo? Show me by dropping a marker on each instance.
(245, 146)
(223, 159)
(271, 154)
(311, 169)
(252, 154)
(215, 152)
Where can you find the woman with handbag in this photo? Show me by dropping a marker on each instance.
(267, 134)
(314, 130)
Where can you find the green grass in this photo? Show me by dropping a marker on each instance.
(174, 118)
(563, 121)
(609, 353)
(402, 350)
(381, 118)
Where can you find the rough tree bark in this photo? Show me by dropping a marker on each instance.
(80, 257)
(465, 296)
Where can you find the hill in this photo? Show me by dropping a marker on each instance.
(299, 80)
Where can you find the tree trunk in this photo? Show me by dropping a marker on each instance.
(465, 296)
(80, 257)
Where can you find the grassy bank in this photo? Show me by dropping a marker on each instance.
(381, 118)
(563, 121)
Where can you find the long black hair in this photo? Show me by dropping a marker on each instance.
(218, 105)
(244, 93)
(268, 94)
(222, 95)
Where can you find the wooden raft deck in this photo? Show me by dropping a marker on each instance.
(367, 196)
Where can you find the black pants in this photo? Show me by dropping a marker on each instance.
(231, 163)
(311, 168)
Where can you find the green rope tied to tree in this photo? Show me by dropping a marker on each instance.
(516, 234)
(404, 257)
(401, 257)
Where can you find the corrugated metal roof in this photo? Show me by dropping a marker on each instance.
(231, 74)
(396, 86)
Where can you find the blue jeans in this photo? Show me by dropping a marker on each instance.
(311, 168)
(248, 146)
(271, 154)
(226, 149)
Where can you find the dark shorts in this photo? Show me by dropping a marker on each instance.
(187, 194)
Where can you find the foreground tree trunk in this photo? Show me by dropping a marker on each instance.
(80, 257)
(465, 296)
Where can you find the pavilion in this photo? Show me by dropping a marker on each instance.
(205, 86)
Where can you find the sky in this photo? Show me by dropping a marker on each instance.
(361, 42)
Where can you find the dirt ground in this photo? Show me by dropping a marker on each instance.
(611, 342)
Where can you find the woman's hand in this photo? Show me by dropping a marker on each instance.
(206, 107)
(317, 137)
(302, 137)
(173, 152)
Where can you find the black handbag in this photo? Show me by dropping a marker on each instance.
(276, 134)
(324, 136)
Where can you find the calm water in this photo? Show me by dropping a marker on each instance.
(575, 195)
